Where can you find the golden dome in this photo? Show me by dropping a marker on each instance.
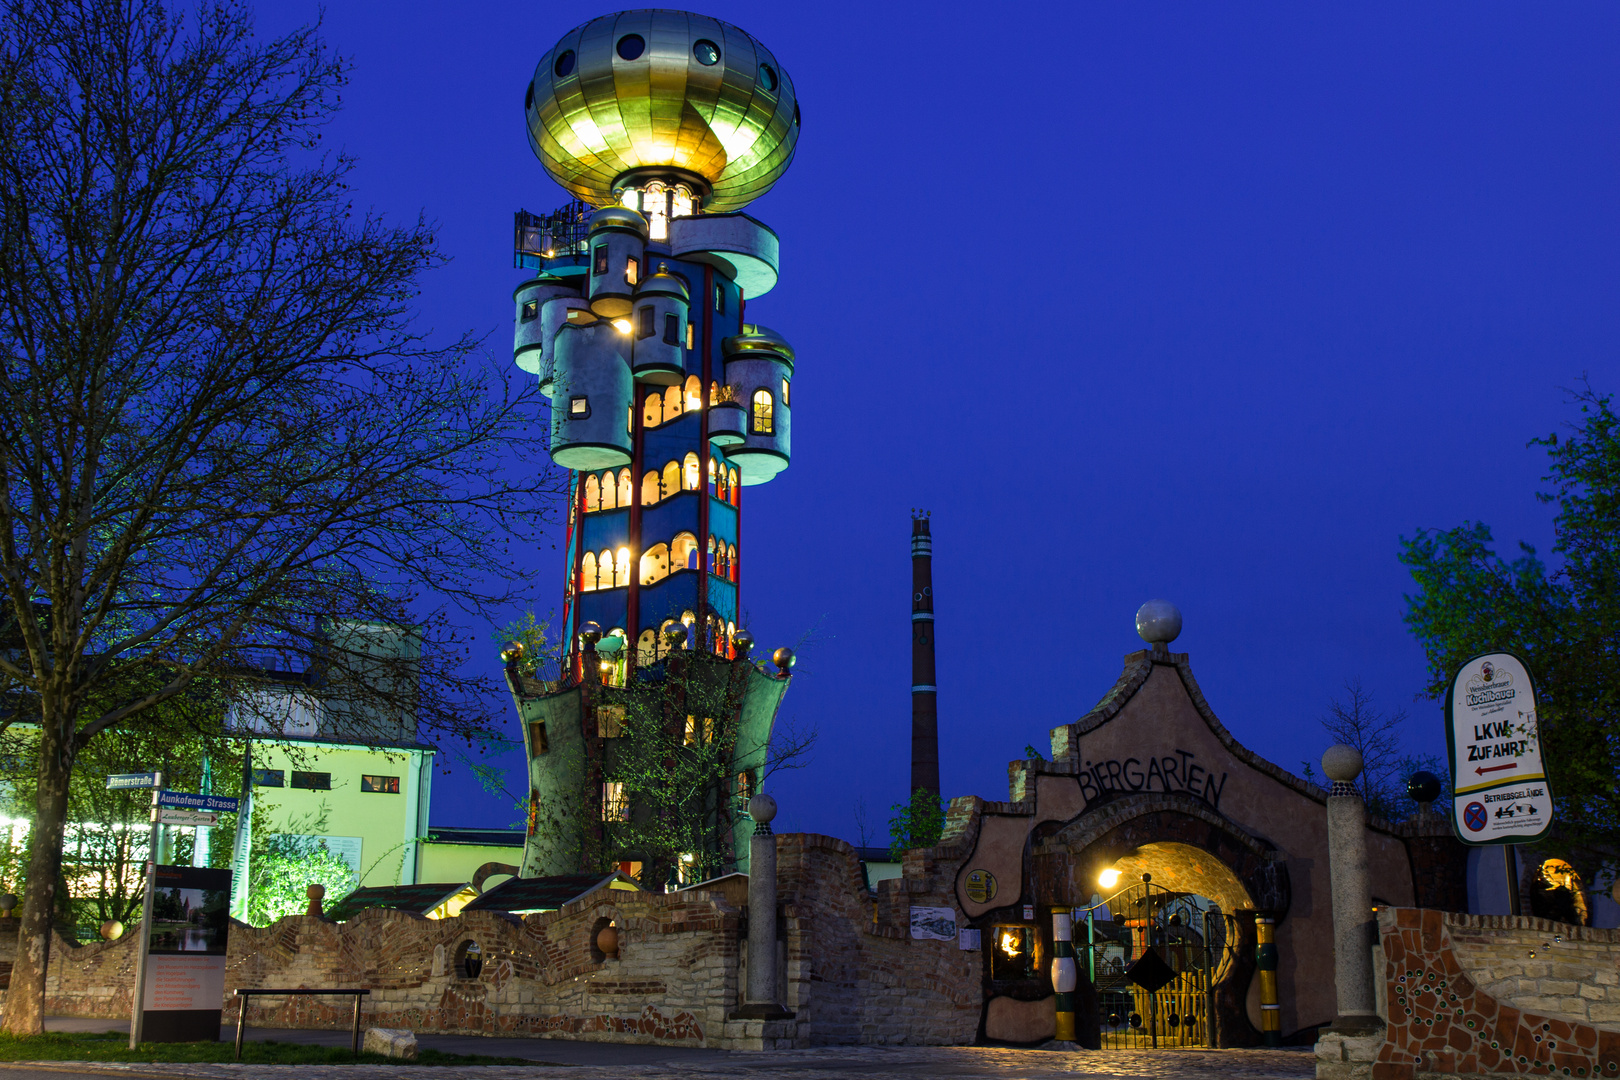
(668, 94)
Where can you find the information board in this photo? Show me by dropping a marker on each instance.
(185, 963)
(1499, 787)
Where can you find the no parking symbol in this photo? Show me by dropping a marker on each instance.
(1474, 816)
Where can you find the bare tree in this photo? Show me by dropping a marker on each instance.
(1356, 720)
(223, 449)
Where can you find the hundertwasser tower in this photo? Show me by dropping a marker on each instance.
(665, 401)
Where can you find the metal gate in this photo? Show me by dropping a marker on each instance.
(1154, 957)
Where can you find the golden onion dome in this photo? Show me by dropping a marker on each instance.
(664, 283)
(618, 217)
(668, 95)
(757, 339)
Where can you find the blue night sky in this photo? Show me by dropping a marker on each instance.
(1204, 302)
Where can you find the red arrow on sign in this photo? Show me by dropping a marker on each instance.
(1496, 768)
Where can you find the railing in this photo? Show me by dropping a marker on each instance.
(247, 995)
(561, 233)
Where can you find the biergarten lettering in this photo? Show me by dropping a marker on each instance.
(1172, 772)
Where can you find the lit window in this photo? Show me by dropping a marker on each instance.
(745, 786)
(731, 562)
(587, 572)
(680, 202)
(632, 270)
(609, 492)
(537, 738)
(629, 419)
(764, 410)
(380, 785)
(600, 265)
(593, 494)
(652, 414)
(313, 781)
(672, 329)
(644, 320)
(621, 567)
(649, 489)
(672, 403)
(731, 476)
(694, 393)
(784, 393)
(691, 731)
(579, 407)
(719, 299)
(604, 569)
(624, 487)
(672, 478)
(691, 470)
(610, 721)
(689, 338)
(655, 564)
(531, 309)
(683, 552)
(615, 807)
(647, 648)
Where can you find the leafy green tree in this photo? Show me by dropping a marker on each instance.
(218, 427)
(918, 823)
(283, 873)
(1563, 620)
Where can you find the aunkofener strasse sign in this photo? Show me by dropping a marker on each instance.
(1499, 786)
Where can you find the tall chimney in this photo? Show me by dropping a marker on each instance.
(924, 695)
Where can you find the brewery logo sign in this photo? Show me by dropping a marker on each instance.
(1499, 787)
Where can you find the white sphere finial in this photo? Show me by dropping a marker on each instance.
(1158, 622)
(762, 808)
(1342, 763)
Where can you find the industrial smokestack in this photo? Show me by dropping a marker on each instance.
(924, 695)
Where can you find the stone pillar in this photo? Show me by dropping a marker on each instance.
(759, 1000)
(1354, 927)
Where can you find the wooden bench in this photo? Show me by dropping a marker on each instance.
(245, 995)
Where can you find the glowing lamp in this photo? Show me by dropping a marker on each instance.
(622, 325)
(1108, 878)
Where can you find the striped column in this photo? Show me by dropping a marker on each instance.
(1065, 975)
(924, 694)
(1265, 956)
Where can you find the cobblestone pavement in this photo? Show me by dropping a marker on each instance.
(824, 1063)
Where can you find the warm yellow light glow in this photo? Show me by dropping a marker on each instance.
(1108, 878)
(1009, 943)
(622, 325)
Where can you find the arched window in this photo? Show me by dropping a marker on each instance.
(655, 564)
(624, 487)
(647, 648)
(649, 488)
(732, 486)
(604, 569)
(694, 393)
(692, 478)
(587, 573)
(593, 495)
(683, 552)
(672, 479)
(652, 412)
(731, 563)
(764, 412)
(663, 640)
(610, 492)
(714, 391)
(714, 468)
(710, 564)
(621, 569)
(672, 404)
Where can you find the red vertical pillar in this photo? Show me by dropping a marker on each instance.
(705, 456)
(924, 694)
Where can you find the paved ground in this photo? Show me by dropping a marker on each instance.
(568, 1060)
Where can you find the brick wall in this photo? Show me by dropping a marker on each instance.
(1488, 994)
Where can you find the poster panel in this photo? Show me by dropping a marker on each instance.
(185, 964)
(1499, 786)
(933, 923)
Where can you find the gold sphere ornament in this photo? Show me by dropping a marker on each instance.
(671, 96)
(783, 658)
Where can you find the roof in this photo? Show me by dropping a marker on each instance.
(418, 899)
(874, 854)
(447, 834)
(521, 896)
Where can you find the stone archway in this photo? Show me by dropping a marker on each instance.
(1187, 847)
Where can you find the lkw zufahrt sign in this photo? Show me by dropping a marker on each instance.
(1499, 787)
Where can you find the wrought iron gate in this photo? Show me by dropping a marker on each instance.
(1154, 957)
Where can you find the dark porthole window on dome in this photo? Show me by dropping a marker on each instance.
(707, 52)
(631, 46)
(767, 76)
(528, 96)
(565, 63)
(795, 114)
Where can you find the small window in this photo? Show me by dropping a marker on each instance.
(600, 265)
(381, 785)
(632, 270)
(537, 738)
(531, 310)
(764, 410)
(706, 52)
(719, 299)
(690, 340)
(610, 721)
(615, 807)
(469, 960)
(767, 77)
(580, 407)
(313, 781)
(745, 786)
(785, 385)
(631, 46)
(269, 778)
(645, 321)
(565, 64)
(672, 329)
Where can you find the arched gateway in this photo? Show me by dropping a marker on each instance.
(1165, 836)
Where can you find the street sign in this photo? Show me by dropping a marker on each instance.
(168, 815)
(183, 800)
(121, 781)
(1499, 787)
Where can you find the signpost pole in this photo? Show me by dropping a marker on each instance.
(138, 998)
